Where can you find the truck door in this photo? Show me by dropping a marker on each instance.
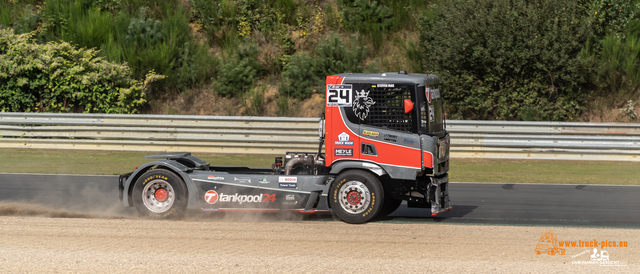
(341, 136)
(388, 128)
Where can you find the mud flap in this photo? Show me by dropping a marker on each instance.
(121, 180)
(439, 195)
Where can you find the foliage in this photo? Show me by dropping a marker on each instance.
(21, 17)
(615, 69)
(367, 16)
(334, 57)
(284, 104)
(500, 58)
(609, 16)
(254, 101)
(57, 77)
(163, 46)
(630, 111)
(74, 22)
(239, 73)
(217, 18)
(298, 78)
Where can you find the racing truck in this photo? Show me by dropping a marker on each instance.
(382, 140)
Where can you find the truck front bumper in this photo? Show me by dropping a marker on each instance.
(439, 195)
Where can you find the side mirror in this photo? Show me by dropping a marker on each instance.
(408, 106)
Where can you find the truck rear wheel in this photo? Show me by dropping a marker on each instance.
(160, 194)
(356, 196)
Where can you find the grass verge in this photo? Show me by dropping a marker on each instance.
(461, 170)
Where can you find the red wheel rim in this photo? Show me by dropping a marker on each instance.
(161, 195)
(354, 197)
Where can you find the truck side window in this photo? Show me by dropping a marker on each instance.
(386, 107)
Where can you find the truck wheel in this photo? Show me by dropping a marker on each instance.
(356, 196)
(160, 194)
(390, 205)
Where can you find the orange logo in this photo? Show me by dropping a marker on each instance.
(549, 244)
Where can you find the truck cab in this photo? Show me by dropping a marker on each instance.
(392, 123)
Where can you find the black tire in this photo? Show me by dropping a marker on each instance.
(160, 194)
(356, 196)
(390, 205)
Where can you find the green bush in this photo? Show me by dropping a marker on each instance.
(57, 77)
(21, 16)
(163, 46)
(367, 16)
(217, 18)
(298, 78)
(254, 101)
(615, 69)
(370, 18)
(500, 59)
(142, 40)
(334, 57)
(609, 16)
(237, 75)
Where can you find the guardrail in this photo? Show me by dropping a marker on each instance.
(276, 135)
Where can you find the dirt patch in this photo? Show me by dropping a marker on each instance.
(607, 109)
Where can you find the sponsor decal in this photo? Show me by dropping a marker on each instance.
(385, 85)
(264, 181)
(348, 152)
(431, 94)
(432, 116)
(242, 180)
(237, 198)
(288, 179)
(339, 95)
(435, 94)
(290, 197)
(211, 196)
(216, 178)
(390, 137)
(362, 103)
(288, 185)
(290, 203)
(408, 142)
(343, 139)
(370, 133)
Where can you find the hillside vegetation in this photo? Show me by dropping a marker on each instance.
(559, 60)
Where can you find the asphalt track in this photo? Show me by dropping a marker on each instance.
(473, 203)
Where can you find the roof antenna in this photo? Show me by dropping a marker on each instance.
(402, 72)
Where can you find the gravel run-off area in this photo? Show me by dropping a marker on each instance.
(206, 245)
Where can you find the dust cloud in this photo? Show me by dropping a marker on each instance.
(61, 196)
(84, 196)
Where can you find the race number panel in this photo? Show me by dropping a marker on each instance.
(339, 95)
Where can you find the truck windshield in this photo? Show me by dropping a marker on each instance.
(382, 105)
(431, 110)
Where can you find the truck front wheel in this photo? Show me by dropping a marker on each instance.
(160, 194)
(356, 196)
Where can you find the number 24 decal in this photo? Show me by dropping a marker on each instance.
(268, 198)
(338, 95)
